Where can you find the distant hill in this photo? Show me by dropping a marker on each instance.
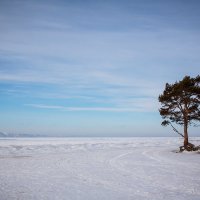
(3, 134)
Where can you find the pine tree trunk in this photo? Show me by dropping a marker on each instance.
(185, 134)
(186, 127)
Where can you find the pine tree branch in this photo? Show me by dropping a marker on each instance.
(180, 107)
(174, 129)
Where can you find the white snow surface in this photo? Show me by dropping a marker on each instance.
(98, 169)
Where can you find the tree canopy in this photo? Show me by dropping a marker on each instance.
(181, 104)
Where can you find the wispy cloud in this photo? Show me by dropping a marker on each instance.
(45, 106)
(133, 107)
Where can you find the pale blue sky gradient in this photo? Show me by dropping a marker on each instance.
(93, 68)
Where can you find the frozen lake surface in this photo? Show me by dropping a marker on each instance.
(98, 169)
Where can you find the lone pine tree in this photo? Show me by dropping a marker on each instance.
(180, 103)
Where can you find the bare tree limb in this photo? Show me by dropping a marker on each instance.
(176, 130)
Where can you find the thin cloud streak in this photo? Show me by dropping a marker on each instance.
(95, 109)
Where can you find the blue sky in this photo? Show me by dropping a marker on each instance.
(93, 68)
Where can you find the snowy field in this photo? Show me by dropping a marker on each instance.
(98, 169)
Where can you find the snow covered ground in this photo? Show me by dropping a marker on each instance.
(97, 169)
